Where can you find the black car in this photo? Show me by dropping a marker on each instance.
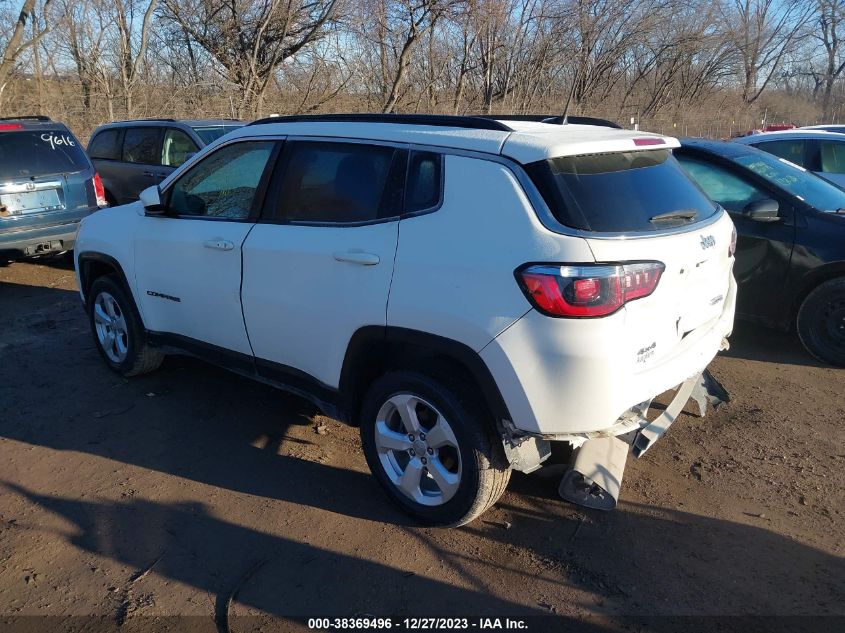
(790, 257)
(133, 155)
(47, 185)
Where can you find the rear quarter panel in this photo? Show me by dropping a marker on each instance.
(454, 271)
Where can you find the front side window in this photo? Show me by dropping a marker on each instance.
(210, 133)
(729, 190)
(224, 184)
(620, 191)
(336, 182)
(106, 145)
(791, 150)
(176, 148)
(141, 145)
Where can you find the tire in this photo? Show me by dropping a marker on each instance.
(464, 448)
(129, 354)
(821, 322)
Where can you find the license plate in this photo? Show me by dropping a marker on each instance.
(30, 201)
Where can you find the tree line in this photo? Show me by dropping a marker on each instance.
(651, 61)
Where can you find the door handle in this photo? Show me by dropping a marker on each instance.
(357, 257)
(152, 174)
(220, 245)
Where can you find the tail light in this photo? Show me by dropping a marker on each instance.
(732, 245)
(100, 192)
(592, 290)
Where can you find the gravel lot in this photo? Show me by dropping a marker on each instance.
(192, 491)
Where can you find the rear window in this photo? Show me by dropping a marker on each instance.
(106, 145)
(625, 191)
(41, 153)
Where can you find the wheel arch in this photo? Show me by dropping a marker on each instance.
(93, 265)
(373, 350)
(813, 280)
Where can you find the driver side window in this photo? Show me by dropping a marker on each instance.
(224, 184)
(722, 186)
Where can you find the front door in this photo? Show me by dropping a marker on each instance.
(764, 249)
(188, 261)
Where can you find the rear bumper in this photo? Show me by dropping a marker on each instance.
(40, 240)
(570, 380)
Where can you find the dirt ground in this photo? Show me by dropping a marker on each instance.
(192, 491)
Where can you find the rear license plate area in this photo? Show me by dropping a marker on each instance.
(30, 201)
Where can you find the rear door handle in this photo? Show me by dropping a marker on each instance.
(219, 245)
(357, 257)
(152, 174)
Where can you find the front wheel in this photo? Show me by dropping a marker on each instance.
(118, 331)
(431, 450)
(821, 322)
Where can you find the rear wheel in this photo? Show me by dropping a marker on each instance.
(431, 449)
(821, 322)
(118, 331)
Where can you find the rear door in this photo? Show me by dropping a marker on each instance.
(106, 151)
(640, 206)
(188, 262)
(319, 264)
(44, 178)
(140, 166)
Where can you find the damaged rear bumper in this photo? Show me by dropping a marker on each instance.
(595, 476)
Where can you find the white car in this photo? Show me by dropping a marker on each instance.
(819, 150)
(466, 290)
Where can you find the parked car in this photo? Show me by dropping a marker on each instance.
(47, 185)
(132, 155)
(464, 289)
(790, 259)
(821, 152)
(828, 127)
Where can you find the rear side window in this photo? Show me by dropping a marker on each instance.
(791, 150)
(40, 153)
(106, 145)
(336, 182)
(141, 145)
(832, 157)
(620, 192)
(424, 187)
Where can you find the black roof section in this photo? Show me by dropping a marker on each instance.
(437, 120)
(725, 149)
(555, 119)
(33, 117)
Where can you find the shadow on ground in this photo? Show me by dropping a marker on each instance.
(193, 421)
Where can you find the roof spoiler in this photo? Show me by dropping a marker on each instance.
(31, 117)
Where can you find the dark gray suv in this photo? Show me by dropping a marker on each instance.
(47, 185)
(133, 155)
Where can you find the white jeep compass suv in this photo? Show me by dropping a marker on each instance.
(466, 290)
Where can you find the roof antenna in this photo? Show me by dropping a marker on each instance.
(565, 118)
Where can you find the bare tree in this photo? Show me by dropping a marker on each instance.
(20, 40)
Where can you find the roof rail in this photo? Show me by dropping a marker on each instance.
(437, 120)
(555, 119)
(155, 118)
(33, 117)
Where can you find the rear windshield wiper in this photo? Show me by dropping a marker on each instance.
(684, 215)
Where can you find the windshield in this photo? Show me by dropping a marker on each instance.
(210, 133)
(622, 191)
(33, 154)
(815, 191)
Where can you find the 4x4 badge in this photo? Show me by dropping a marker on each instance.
(707, 241)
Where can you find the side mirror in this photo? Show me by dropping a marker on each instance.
(762, 210)
(151, 199)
